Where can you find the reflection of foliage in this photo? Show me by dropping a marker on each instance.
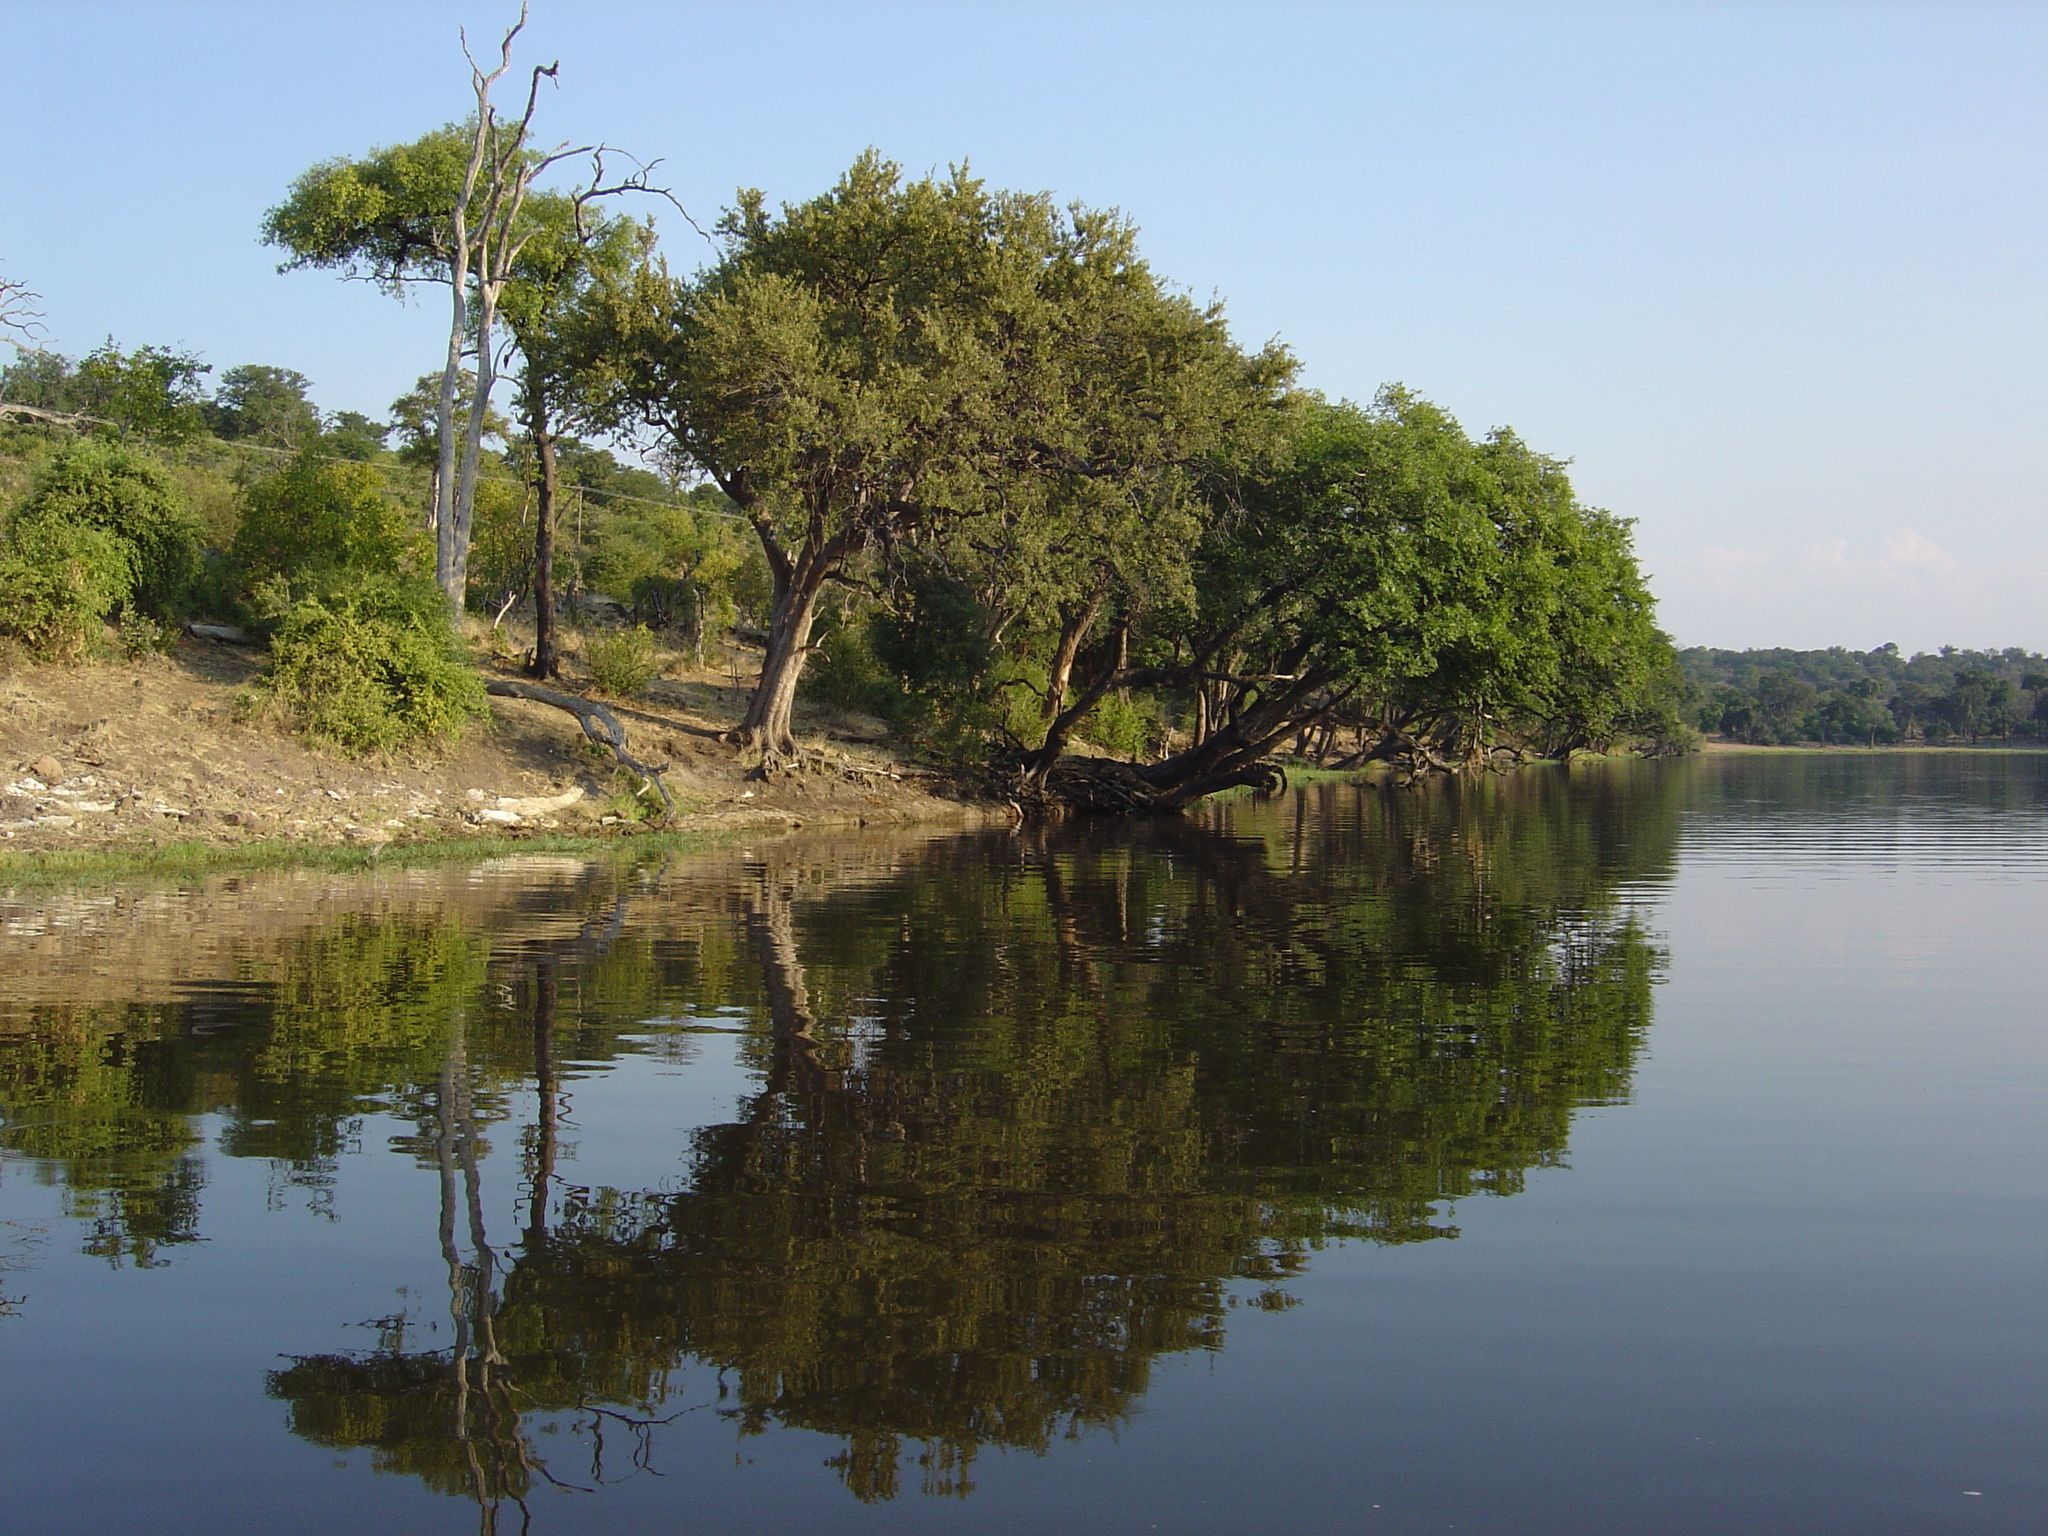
(345, 1016)
(1030, 1111)
(92, 1104)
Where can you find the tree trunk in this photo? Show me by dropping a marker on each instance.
(767, 727)
(442, 518)
(548, 1110)
(1074, 626)
(454, 572)
(546, 663)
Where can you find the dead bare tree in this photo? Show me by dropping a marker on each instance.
(19, 315)
(486, 238)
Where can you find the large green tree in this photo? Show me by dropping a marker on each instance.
(902, 363)
(1378, 565)
(265, 405)
(155, 393)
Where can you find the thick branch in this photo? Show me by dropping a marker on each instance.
(599, 725)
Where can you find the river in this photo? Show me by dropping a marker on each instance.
(1639, 1147)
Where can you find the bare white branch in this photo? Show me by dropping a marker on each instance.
(18, 313)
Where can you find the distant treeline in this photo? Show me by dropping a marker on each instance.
(1879, 697)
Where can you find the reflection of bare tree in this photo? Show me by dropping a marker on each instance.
(481, 1388)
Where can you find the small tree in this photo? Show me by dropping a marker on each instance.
(320, 515)
(572, 274)
(126, 494)
(153, 392)
(102, 530)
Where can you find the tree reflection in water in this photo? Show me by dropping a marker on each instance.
(1029, 1112)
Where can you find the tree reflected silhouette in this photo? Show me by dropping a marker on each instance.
(1028, 1113)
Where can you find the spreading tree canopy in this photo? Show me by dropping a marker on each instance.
(931, 364)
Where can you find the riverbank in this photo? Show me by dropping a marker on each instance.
(1721, 746)
(161, 766)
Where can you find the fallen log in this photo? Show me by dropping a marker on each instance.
(599, 725)
(223, 634)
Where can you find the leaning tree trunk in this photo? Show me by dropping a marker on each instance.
(768, 727)
(1074, 625)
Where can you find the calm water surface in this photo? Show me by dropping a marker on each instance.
(1653, 1148)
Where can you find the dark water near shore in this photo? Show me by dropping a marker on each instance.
(1640, 1148)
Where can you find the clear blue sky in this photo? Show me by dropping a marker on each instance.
(1774, 276)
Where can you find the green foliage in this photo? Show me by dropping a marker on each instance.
(265, 405)
(61, 580)
(352, 435)
(1125, 725)
(622, 662)
(142, 636)
(368, 665)
(385, 217)
(154, 392)
(1003, 376)
(149, 555)
(415, 415)
(322, 515)
(44, 380)
(500, 543)
(1864, 698)
(847, 674)
(676, 564)
(923, 663)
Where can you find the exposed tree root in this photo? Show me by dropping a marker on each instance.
(599, 725)
(1104, 786)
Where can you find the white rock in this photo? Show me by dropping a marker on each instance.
(540, 805)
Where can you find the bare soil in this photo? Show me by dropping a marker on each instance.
(140, 754)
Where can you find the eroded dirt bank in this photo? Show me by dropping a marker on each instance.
(138, 755)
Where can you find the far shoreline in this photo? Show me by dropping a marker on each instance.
(1716, 746)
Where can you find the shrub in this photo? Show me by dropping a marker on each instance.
(104, 486)
(846, 674)
(141, 636)
(1124, 725)
(371, 668)
(61, 580)
(314, 519)
(623, 662)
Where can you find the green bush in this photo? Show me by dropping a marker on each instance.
(371, 668)
(845, 673)
(315, 519)
(117, 491)
(1124, 725)
(60, 580)
(141, 636)
(623, 662)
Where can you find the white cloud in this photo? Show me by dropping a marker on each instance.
(1727, 568)
(1898, 586)
(1908, 551)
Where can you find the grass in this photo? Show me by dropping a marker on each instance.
(190, 860)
